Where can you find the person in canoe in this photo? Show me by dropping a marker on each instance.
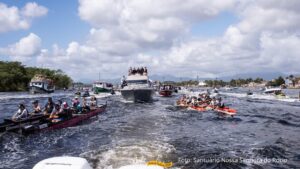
(49, 106)
(36, 108)
(213, 102)
(55, 115)
(21, 114)
(93, 102)
(76, 105)
(65, 111)
(85, 106)
(219, 103)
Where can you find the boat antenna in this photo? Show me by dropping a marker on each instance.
(99, 76)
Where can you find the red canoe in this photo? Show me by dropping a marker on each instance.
(224, 110)
(75, 120)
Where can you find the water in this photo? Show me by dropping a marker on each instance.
(127, 133)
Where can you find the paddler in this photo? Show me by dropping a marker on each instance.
(213, 102)
(36, 108)
(93, 102)
(76, 105)
(55, 114)
(75, 102)
(85, 105)
(21, 114)
(219, 103)
(49, 106)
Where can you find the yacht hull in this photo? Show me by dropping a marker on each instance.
(137, 95)
(38, 90)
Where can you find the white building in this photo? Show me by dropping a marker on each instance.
(202, 84)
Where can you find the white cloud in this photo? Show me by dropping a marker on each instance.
(32, 9)
(23, 50)
(13, 18)
(149, 24)
(157, 34)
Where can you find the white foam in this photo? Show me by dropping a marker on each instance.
(130, 152)
(27, 95)
(261, 96)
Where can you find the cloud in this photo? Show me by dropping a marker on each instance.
(23, 50)
(148, 24)
(32, 9)
(158, 34)
(12, 18)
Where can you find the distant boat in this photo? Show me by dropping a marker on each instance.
(41, 84)
(137, 88)
(275, 91)
(272, 90)
(166, 90)
(249, 93)
(102, 87)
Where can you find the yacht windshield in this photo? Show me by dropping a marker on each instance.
(136, 81)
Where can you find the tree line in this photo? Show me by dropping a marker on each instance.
(16, 77)
(234, 82)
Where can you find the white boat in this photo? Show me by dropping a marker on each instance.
(40, 84)
(63, 163)
(137, 88)
(102, 87)
(277, 92)
(272, 90)
(81, 163)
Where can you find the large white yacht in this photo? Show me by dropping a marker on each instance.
(137, 87)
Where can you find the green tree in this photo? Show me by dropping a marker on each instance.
(16, 77)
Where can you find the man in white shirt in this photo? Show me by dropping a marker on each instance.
(21, 114)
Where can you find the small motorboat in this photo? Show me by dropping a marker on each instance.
(249, 93)
(277, 92)
(86, 94)
(166, 90)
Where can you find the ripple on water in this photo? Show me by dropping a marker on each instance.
(130, 133)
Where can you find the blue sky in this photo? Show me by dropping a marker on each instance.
(214, 27)
(209, 38)
(60, 26)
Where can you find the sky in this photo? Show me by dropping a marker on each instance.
(208, 38)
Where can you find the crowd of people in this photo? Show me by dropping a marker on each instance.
(56, 111)
(201, 100)
(166, 87)
(134, 71)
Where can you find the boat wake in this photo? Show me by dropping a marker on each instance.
(32, 96)
(126, 153)
(261, 97)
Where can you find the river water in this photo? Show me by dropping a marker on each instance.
(264, 134)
